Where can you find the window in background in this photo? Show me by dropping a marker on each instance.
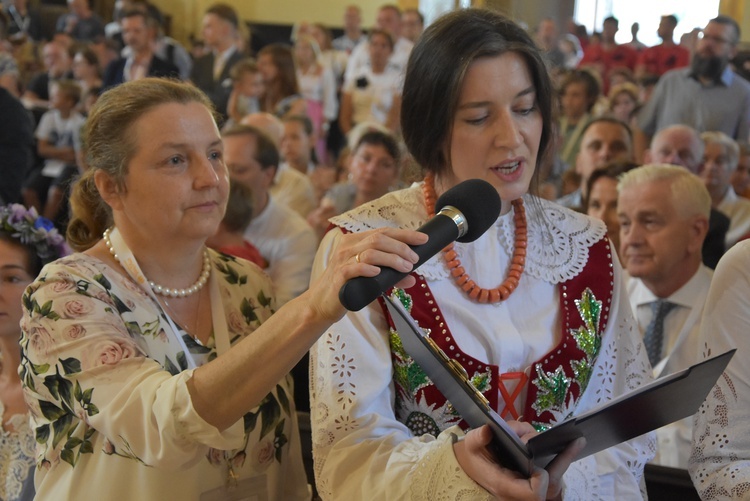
(433, 9)
(647, 13)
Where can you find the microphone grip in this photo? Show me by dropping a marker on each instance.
(358, 292)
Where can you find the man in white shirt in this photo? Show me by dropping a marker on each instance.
(603, 140)
(389, 20)
(353, 34)
(412, 24)
(139, 33)
(720, 159)
(297, 154)
(663, 211)
(283, 238)
(289, 187)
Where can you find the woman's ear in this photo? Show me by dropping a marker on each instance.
(108, 189)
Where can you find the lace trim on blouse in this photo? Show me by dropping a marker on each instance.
(558, 238)
(17, 447)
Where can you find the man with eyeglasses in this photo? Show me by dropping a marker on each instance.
(707, 95)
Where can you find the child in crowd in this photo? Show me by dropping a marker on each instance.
(578, 94)
(623, 102)
(318, 86)
(58, 136)
(88, 99)
(247, 87)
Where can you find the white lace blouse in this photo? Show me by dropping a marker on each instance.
(363, 452)
(720, 461)
(17, 446)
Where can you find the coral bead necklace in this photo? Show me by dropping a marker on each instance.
(504, 290)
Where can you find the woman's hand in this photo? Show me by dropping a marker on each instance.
(361, 254)
(319, 217)
(479, 464)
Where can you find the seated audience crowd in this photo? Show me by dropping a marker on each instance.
(261, 156)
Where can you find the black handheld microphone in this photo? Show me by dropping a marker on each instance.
(467, 211)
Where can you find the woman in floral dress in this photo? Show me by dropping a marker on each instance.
(153, 367)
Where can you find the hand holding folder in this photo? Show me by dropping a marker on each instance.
(651, 406)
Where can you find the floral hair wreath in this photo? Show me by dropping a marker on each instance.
(34, 231)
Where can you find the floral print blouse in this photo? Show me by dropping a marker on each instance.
(105, 378)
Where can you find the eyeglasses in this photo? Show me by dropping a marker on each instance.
(713, 38)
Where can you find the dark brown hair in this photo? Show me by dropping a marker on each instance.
(286, 78)
(590, 84)
(384, 34)
(436, 71)
(380, 138)
(225, 12)
(267, 154)
(611, 170)
(239, 212)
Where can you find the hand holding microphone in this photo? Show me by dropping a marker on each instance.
(466, 211)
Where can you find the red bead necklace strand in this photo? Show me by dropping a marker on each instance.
(504, 290)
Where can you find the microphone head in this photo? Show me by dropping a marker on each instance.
(478, 201)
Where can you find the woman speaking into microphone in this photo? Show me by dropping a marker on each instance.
(153, 367)
(534, 310)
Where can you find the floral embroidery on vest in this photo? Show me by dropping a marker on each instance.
(412, 407)
(554, 388)
(557, 380)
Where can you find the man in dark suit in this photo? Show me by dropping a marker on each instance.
(211, 72)
(16, 147)
(138, 33)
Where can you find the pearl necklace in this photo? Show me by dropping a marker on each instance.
(462, 279)
(166, 291)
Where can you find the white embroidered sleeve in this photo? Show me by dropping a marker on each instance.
(622, 366)
(361, 451)
(720, 460)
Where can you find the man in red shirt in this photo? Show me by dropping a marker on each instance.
(667, 55)
(608, 54)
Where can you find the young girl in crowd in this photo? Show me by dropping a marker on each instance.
(247, 89)
(27, 242)
(281, 94)
(318, 86)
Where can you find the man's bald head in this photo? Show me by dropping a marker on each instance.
(677, 145)
(268, 123)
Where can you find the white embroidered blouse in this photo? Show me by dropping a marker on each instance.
(363, 452)
(16, 458)
(720, 461)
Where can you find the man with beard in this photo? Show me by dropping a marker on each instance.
(707, 95)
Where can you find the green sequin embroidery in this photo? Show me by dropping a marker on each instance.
(553, 387)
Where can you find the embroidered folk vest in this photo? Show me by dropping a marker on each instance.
(556, 381)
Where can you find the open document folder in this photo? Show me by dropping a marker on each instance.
(651, 406)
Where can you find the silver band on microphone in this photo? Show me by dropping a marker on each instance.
(457, 217)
